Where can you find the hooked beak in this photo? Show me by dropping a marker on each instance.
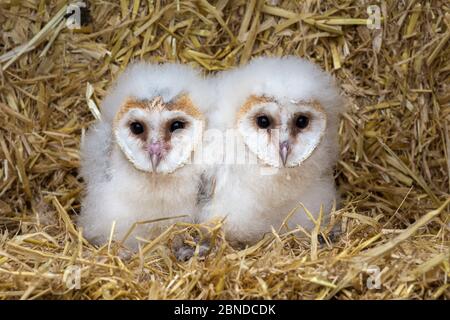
(155, 151)
(155, 159)
(284, 151)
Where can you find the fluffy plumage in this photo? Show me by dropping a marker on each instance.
(293, 167)
(135, 161)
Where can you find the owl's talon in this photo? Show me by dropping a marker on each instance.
(185, 252)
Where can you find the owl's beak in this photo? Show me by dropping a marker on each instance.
(284, 151)
(155, 159)
(155, 151)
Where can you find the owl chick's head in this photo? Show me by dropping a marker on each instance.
(157, 135)
(281, 132)
(155, 119)
(285, 109)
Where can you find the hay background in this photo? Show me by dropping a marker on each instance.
(394, 166)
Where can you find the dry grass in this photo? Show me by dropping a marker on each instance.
(394, 168)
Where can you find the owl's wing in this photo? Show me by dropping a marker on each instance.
(95, 153)
(206, 187)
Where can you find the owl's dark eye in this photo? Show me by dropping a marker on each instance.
(302, 122)
(263, 122)
(176, 125)
(137, 127)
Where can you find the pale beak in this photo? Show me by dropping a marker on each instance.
(155, 151)
(284, 151)
(155, 159)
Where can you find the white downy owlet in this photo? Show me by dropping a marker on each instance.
(136, 160)
(285, 112)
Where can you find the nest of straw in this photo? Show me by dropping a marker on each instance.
(393, 172)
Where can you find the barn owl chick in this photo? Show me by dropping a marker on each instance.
(285, 114)
(136, 159)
